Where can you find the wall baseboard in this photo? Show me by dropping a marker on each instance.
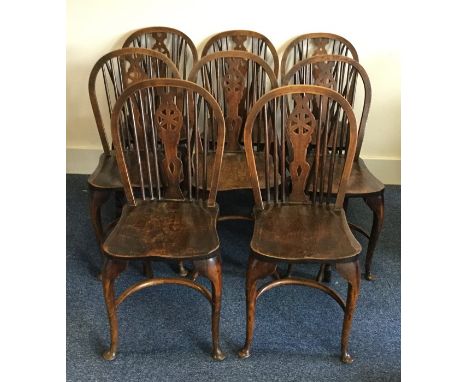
(84, 161)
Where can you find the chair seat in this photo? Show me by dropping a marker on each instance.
(106, 174)
(164, 229)
(303, 232)
(235, 172)
(361, 181)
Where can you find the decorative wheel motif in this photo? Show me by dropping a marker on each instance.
(300, 127)
(169, 119)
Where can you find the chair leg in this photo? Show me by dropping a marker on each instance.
(351, 273)
(376, 204)
(211, 269)
(182, 270)
(111, 271)
(148, 269)
(324, 273)
(256, 270)
(97, 197)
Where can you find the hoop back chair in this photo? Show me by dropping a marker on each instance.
(293, 224)
(237, 80)
(244, 40)
(169, 41)
(110, 76)
(164, 218)
(345, 75)
(315, 44)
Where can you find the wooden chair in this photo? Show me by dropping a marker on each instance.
(343, 74)
(314, 44)
(169, 41)
(237, 80)
(111, 74)
(162, 220)
(244, 40)
(293, 225)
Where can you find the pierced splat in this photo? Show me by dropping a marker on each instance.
(300, 127)
(169, 119)
(234, 89)
(320, 47)
(323, 74)
(239, 42)
(159, 44)
(135, 71)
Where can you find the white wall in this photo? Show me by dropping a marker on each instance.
(96, 27)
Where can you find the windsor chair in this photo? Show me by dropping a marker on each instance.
(291, 224)
(162, 219)
(343, 75)
(109, 77)
(237, 80)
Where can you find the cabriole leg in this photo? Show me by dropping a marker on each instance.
(211, 269)
(256, 270)
(376, 204)
(111, 270)
(350, 272)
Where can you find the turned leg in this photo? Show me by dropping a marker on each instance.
(350, 272)
(211, 269)
(111, 270)
(97, 197)
(256, 270)
(376, 204)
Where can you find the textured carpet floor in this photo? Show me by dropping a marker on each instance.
(165, 330)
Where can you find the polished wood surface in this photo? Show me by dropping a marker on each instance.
(106, 174)
(314, 44)
(171, 42)
(165, 218)
(361, 181)
(292, 224)
(244, 40)
(234, 174)
(164, 229)
(317, 233)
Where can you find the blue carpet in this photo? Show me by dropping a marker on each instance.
(165, 331)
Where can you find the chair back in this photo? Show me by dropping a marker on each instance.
(302, 172)
(342, 74)
(244, 40)
(315, 44)
(113, 73)
(169, 41)
(237, 80)
(154, 167)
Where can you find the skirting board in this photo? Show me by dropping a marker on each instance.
(84, 161)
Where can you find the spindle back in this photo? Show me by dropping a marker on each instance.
(305, 171)
(158, 111)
